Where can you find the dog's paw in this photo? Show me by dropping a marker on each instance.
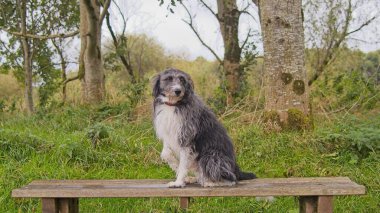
(191, 180)
(176, 184)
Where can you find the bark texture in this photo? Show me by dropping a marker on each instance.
(90, 61)
(228, 17)
(28, 74)
(284, 58)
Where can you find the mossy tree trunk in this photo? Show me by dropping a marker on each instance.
(28, 75)
(90, 60)
(284, 58)
(228, 18)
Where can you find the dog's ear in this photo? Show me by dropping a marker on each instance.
(156, 85)
(190, 83)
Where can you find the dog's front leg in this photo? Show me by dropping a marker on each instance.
(183, 167)
(168, 156)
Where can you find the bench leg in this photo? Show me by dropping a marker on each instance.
(184, 202)
(316, 204)
(60, 205)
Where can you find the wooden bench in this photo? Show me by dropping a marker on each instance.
(316, 194)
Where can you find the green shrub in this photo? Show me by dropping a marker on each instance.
(97, 133)
(354, 136)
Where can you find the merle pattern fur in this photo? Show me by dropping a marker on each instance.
(199, 131)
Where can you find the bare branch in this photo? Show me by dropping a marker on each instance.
(246, 39)
(123, 59)
(369, 21)
(209, 8)
(244, 9)
(71, 79)
(42, 37)
(104, 11)
(249, 14)
(190, 23)
(122, 16)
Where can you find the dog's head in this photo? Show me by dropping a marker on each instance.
(172, 86)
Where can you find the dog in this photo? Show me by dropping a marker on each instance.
(194, 141)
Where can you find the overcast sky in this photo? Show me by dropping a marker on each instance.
(169, 29)
(146, 16)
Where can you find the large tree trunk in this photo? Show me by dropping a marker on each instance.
(28, 74)
(90, 61)
(284, 59)
(228, 17)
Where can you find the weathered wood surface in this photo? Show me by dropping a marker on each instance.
(184, 202)
(158, 188)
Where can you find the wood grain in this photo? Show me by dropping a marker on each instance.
(158, 188)
(184, 202)
(325, 204)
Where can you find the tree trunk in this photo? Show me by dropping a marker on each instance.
(27, 62)
(228, 17)
(90, 60)
(284, 58)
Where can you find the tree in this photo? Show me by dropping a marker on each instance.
(59, 45)
(22, 21)
(228, 16)
(329, 24)
(284, 60)
(91, 70)
(120, 44)
(141, 52)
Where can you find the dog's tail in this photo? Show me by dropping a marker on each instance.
(244, 175)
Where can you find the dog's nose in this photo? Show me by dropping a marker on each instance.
(177, 92)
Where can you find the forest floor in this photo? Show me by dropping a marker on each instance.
(59, 145)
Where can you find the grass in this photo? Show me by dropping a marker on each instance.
(56, 145)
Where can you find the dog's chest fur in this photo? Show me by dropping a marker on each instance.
(167, 124)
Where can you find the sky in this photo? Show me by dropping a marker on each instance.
(172, 32)
(147, 16)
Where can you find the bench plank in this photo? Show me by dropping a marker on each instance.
(157, 188)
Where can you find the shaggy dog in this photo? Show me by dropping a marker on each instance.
(194, 141)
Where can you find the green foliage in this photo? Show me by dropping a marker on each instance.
(353, 136)
(2, 105)
(218, 101)
(143, 53)
(57, 146)
(46, 75)
(43, 18)
(171, 4)
(348, 84)
(248, 60)
(271, 116)
(135, 93)
(97, 133)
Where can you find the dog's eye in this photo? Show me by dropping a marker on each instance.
(170, 78)
(182, 79)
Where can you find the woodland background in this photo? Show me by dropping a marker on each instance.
(57, 122)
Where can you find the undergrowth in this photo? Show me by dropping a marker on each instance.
(60, 145)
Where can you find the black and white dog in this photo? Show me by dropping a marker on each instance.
(194, 141)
